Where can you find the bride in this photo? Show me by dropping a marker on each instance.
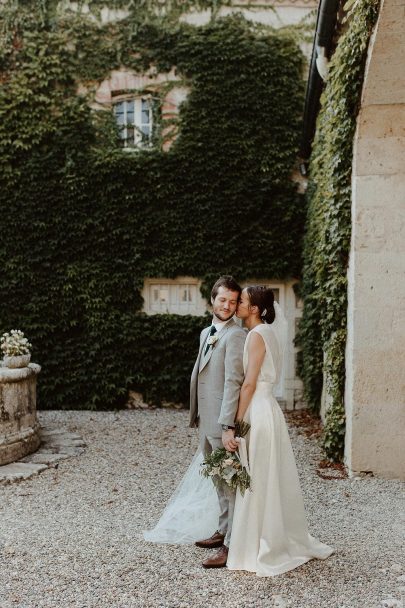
(270, 532)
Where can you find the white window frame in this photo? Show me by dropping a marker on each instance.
(171, 296)
(141, 138)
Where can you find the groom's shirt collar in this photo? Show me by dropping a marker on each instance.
(221, 324)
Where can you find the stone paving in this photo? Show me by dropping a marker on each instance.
(56, 445)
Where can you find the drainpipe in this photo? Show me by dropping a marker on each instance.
(321, 50)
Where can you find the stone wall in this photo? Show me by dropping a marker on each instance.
(375, 362)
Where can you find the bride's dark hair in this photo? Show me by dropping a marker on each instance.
(263, 298)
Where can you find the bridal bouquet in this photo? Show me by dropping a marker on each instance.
(230, 467)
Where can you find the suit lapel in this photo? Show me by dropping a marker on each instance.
(205, 358)
(202, 347)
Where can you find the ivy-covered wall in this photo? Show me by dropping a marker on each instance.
(327, 240)
(83, 222)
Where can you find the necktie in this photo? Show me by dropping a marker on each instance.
(213, 330)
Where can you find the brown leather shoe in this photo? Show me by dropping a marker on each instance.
(218, 560)
(216, 540)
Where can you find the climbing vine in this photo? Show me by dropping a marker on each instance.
(327, 240)
(83, 222)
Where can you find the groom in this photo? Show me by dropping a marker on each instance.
(214, 393)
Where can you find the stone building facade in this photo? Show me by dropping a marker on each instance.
(375, 352)
(130, 90)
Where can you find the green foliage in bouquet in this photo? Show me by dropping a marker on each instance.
(241, 428)
(226, 467)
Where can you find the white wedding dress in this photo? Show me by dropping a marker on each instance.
(270, 532)
(192, 512)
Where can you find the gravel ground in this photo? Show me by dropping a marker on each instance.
(72, 537)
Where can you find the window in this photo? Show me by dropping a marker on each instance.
(135, 121)
(180, 299)
(180, 296)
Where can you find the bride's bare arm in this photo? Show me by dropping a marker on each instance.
(256, 352)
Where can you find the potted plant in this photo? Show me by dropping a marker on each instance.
(16, 349)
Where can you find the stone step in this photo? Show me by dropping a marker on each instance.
(58, 434)
(56, 445)
(77, 443)
(69, 450)
(20, 470)
(48, 458)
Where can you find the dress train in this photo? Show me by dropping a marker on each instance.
(191, 513)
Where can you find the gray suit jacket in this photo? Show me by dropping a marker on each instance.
(216, 380)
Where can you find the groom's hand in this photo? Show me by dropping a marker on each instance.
(228, 440)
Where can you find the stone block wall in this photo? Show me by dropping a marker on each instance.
(375, 362)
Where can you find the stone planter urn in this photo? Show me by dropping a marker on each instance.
(19, 428)
(16, 361)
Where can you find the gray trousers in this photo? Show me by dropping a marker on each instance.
(226, 495)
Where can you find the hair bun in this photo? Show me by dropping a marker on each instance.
(263, 297)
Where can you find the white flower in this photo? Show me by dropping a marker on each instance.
(14, 343)
(228, 462)
(228, 473)
(212, 339)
